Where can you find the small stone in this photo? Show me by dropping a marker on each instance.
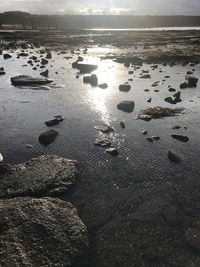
(102, 142)
(149, 100)
(156, 138)
(181, 138)
(150, 140)
(173, 156)
(112, 151)
(126, 106)
(48, 137)
(45, 73)
(122, 124)
(103, 85)
(124, 87)
(145, 132)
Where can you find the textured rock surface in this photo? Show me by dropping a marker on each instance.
(43, 176)
(40, 232)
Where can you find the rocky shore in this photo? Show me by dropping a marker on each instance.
(135, 201)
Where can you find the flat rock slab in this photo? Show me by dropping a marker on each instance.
(42, 176)
(40, 232)
(24, 80)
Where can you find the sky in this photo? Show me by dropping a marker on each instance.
(100, 7)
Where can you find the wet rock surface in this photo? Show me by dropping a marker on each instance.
(48, 137)
(40, 232)
(126, 106)
(23, 80)
(43, 176)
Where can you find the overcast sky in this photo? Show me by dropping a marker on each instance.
(137, 7)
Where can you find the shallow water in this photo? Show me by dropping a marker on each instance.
(140, 168)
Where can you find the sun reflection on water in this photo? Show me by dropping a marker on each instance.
(98, 98)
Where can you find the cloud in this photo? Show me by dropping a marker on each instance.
(100, 7)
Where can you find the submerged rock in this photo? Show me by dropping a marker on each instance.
(48, 137)
(158, 112)
(42, 176)
(126, 106)
(112, 151)
(104, 128)
(40, 232)
(102, 142)
(103, 85)
(23, 80)
(173, 156)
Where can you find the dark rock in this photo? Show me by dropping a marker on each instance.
(173, 156)
(122, 124)
(45, 73)
(172, 90)
(44, 61)
(2, 71)
(7, 56)
(23, 54)
(182, 138)
(145, 132)
(146, 76)
(149, 100)
(124, 87)
(48, 137)
(86, 79)
(103, 85)
(183, 85)
(169, 100)
(40, 232)
(43, 176)
(94, 80)
(22, 80)
(126, 106)
(150, 140)
(191, 81)
(156, 138)
(49, 55)
(84, 68)
(55, 121)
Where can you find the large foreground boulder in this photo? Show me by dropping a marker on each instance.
(24, 80)
(42, 176)
(40, 232)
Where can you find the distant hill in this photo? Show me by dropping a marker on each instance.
(80, 22)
